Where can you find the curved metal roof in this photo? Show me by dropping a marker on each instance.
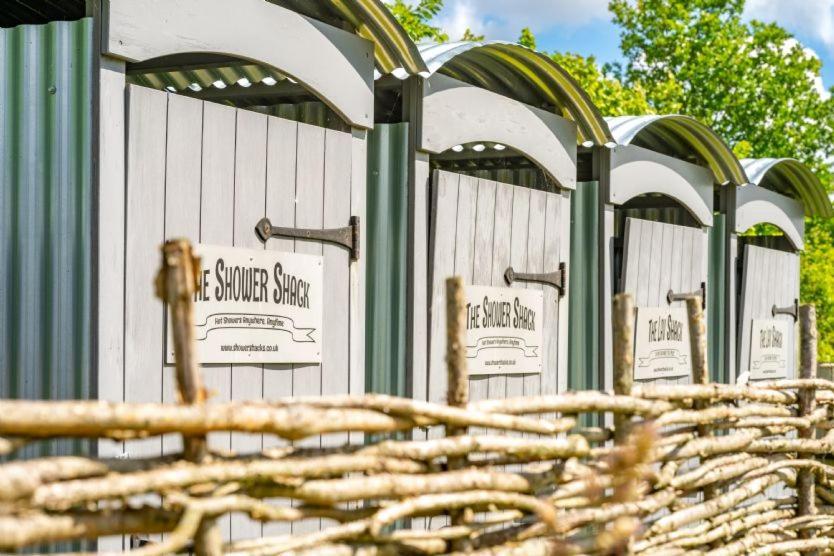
(786, 175)
(681, 136)
(520, 73)
(369, 19)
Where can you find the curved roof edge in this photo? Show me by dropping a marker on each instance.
(674, 128)
(393, 48)
(528, 68)
(795, 175)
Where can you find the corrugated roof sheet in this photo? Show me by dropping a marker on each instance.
(790, 174)
(369, 19)
(680, 134)
(520, 73)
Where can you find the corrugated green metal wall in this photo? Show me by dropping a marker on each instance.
(583, 296)
(387, 246)
(716, 299)
(45, 212)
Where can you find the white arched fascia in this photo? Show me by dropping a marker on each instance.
(335, 65)
(636, 171)
(456, 113)
(757, 205)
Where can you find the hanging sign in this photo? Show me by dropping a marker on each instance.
(503, 330)
(769, 355)
(256, 306)
(661, 343)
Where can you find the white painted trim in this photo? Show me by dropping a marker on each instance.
(456, 113)
(335, 65)
(757, 205)
(636, 171)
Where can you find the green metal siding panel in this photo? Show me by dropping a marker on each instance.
(45, 206)
(387, 280)
(717, 299)
(583, 290)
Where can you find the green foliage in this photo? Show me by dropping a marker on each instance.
(527, 38)
(751, 82)
(817, 281)
(415, 18)
(468, 35)
(606, 91)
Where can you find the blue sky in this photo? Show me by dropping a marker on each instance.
(584, 26)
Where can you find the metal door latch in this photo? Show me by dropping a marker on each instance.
(700, 292)
(557, 279)
(347, 236)
(791, 310)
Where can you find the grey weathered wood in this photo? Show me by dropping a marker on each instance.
(769, 277)
(637, 171)
(216, 228)
(310, 172)
(482, 262)
(358, 269)
(421, 278)
(249, 207)
(336, 65)
(280, 208)
(455, 113)
(554, 378)
(536, 222)
(480, 228)
(442, 263)
(501, 252)
(183, 168)
(658, 257)
(336, 333)
(111, 238)
(144, 318)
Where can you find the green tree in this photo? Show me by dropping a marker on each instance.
(416, 19)
(468, 35)
(527, 38)
(755, 85)
(605, 90)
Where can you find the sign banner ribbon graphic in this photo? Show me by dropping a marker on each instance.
(501, 342)
(278, 323)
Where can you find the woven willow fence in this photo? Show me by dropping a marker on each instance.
(703, 468)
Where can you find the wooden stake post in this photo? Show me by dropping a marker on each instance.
(457, 394)
(700, 367)
(176, 284)
(623, 322)
(805, 484)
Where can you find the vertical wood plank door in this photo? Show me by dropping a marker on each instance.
(658, 257)
(769, 277)
(209, 172)
(479, 227)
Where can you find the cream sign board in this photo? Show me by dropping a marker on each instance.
(769, 354)
(504, 330)
(661, 343)
(256, 306)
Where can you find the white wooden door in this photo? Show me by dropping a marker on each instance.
(479, 227)
(769, 277)
(209, 172)
(658, 257)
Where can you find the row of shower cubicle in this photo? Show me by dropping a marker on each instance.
(128, 122)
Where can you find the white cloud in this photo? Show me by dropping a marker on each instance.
(503, 19)
(813, 19)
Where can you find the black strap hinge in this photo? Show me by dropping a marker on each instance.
(790, 310)
(557, 279)
(346, 237)
(700, 292)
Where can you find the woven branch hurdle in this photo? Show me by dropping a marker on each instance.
(555, 488)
